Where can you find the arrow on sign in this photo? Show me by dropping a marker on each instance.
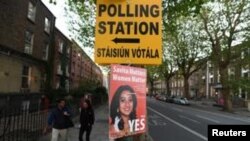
(126, 40)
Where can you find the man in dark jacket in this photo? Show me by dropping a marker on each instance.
(87, 119)
(58, 121)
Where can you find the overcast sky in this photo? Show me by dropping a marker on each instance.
(62, 21)
(59, 13)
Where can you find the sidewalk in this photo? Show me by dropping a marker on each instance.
(99, 129)
(207, 103)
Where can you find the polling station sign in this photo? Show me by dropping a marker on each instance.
(128, 32)
(127, 101)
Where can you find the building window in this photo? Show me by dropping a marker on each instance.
(42, 81)
(60, 49)
(67, 70)
(46, 52)
(58, 85)
(68, 51)
(73, 67)
(28, 42)
(245, 53)
(47, 25)
(59, 69)
(26, 77)
(31, 12)
(246, 74)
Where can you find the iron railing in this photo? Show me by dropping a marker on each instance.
(21, 117)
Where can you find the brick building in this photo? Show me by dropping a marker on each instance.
(61, 61)
(91, 71)
(83, 68)
(26, 39)
(76, 65)
(97, 74)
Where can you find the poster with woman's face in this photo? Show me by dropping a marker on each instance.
(127, 101)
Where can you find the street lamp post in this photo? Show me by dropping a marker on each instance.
(207, 80)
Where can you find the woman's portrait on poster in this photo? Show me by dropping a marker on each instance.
(123, 111)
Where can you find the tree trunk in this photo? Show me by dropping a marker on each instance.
(152, 88)
(168, 87)
(186, 88)
(225, 89)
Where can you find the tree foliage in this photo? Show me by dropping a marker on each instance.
(226, 22)
(152, 76)
(188, 48)
(82, 22)
(173, 10)
(175, 15)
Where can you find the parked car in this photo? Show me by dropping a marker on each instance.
(181, 100)
(184, 101)
(157, 96)
(170, 99)
(162, 98)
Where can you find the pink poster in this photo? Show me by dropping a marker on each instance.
(127, 101)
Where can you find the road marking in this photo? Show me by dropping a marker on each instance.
(189, 119)
(153, 122)
(179, 124)
(154, 116)
(220, 114)
(177, 109)
(216, 121)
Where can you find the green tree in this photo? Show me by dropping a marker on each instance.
(188, 48)
(173, 10)
(167, 68)
(84, 25)
(82, 22)
(152, 76)
(225, 22)
(175, 15)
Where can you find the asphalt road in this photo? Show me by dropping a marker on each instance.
(172, 122)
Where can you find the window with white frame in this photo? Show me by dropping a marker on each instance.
(60, 49)
(67, 85)
(245, 53)
(59, 69)
(46, 52)
(31, 11)
(58, 85)
(245, 73)
(28, 47)
(68, 50)
(67, 70)
(47, 25)
(42, 81)
(26, 77)
(211, 78)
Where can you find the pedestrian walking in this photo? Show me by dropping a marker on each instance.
(87, 119)
(59, 120)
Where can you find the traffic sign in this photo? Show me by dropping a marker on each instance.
(128, 32)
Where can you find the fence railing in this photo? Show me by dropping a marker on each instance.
(21, 125)
(24, 116)
(21, 117)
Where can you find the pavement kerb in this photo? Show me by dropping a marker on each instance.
(210, 104)
(76, 123)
